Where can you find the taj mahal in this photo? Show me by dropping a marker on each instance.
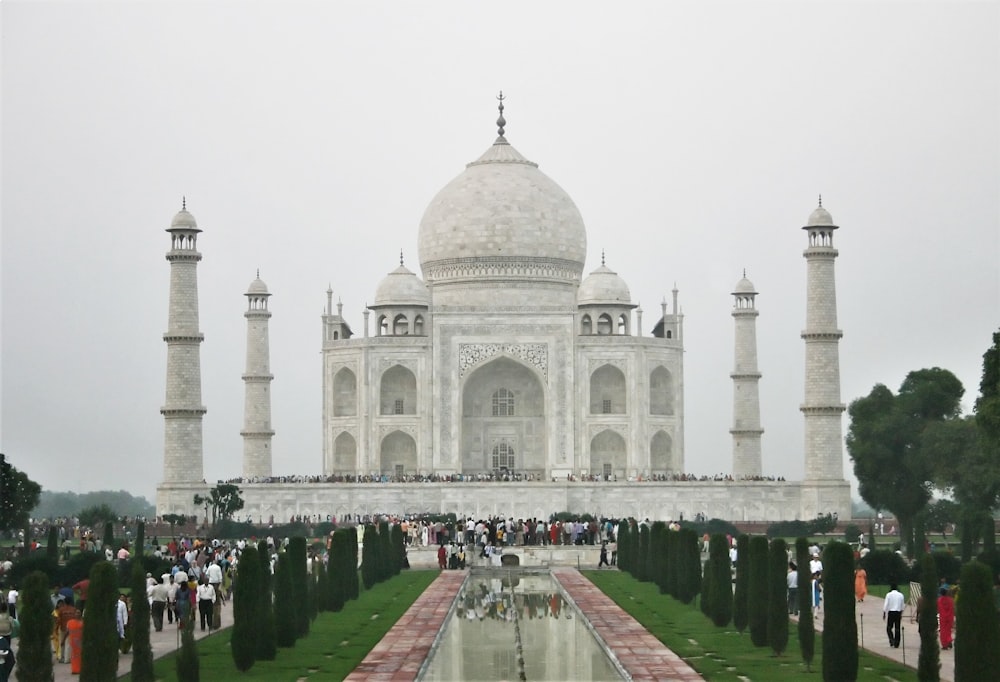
(503, 380)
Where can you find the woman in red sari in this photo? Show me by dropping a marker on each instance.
(946, 618)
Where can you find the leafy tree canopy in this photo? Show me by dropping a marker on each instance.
(223, 500)
(988, 403)
(18, 495)
(886, 441)
(52, 504)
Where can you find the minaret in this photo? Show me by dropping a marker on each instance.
(822, 409)
(182, 411)
(746, 396)
(257, 430)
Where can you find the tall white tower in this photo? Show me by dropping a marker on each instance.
(182, 412)
(822, 410)
(257, 430)
(746, 396)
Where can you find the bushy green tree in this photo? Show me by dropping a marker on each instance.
(641, 563)
(300, 584)
(977, 634)
(840, 627)
(188, 667)
(100, 634)
(741, 615)
(624, 552)
(354, 584)
(688, 566)
(286, 630)
(246, 603)
(109, 534)
(52, 547)
(34, 650)
(398, 548)
(656, 558)
(807, 630)
(18, 496)
(721, 604)
(385, 552)
(777, 596)
(929, 661)
(757, 597)
(339, 568)
(142, 650)
(266, 635)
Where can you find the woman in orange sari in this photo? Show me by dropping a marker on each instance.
(860, 583)
(946, 616)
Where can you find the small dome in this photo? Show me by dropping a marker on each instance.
(744, 286)
(257, 288)
(184, 221)
(603, 286)
(401, 287)
(820, 218)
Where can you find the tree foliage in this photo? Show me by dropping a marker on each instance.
(100, 635)
(741, 616)
(52, 504)
(757, 597)
(300, 584)
(18, 496)
(246, 602)
(286, 631)
(977, 633)
(34, 649)
(187, 665)
(929, 660)
(840, 627)
(142, 650)
(265, 637)
(987, 406)
(223, 501)
(721, 600)
(777, 596)
(806, 628)
(893, 465)
(370, 556)
(96, 515)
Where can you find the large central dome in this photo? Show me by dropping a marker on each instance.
(502, 221)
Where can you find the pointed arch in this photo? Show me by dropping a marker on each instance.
(586, 326)
(345, 393)
(608, 454)
(607, 390)
(398, 391)
(661, 456)
(398, 453)
(345, 454)
(400, 325)
(661, 391)
(605, 325)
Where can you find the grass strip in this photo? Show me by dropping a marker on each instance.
(722, 653)
(335, 645)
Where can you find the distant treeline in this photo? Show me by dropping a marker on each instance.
(62, 504)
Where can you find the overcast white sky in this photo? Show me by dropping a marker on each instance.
(309, 138)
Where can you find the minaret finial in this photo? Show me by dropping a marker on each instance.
(602, 257)
(400, 256)
(184, 203)
(821, 201)
(258, 273)
(500, 121)
(744, 273)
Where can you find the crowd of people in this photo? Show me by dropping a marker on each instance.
(497, 476)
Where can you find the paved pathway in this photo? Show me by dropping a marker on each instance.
(871, 632)
(640, 653)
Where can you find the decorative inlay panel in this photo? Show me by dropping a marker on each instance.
(472, 354)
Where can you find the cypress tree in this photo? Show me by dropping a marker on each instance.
(929, 661)
(323, 583)
(777, 597)
(623, 539)
(312, 589)
(246, 601)
(300, 585)
(370, 557)
(142, 650)
(706, 588)
(807, 631)
(840, 627)
(385, 552)
(674, 562)
(109, 534)
(656, 557)
(187, 664)
(976, 633)
(689, 578)
(757, 596)
(286, 631)
(267, 648)
(140, 541)
(398, 548)
(740, 613)
(721, 604)
(339, 568)
(34, 650)
(100, 634)
(642, 555)
(52, 548)
(354, 584)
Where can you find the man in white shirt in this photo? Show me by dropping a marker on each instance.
(792, 581)
(892, 614)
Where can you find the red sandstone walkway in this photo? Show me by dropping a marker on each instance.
(399, 655)
(643, 655)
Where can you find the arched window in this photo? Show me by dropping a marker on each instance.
(345, 394)
(604, 325)
(661, 391)
(623, 325)
(400, 325)
(586, 326)
(503, 455)
(383, 326)
(418, 325)
(503, 403)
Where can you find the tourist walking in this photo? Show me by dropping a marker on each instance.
(946, 618)
(792, 582)
(604, 556)
(892, 614)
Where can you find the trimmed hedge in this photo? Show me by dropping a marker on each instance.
(840, 627)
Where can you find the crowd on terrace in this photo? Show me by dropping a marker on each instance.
(499, 476)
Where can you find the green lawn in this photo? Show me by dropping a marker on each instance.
(722, 653)
(336, 644)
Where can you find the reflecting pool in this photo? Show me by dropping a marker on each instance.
(524, 631)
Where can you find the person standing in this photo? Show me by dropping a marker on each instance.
(792, 581)
(121, 615)
(159, 596)
(214, 573)
(604, 556)
(946, 618)
(206, 602)
(892, 614)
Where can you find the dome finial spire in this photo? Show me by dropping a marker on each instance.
(184, 203)
(602, 257)
(501, 122)
(258, 273)
(821, 201)
(400, 256)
